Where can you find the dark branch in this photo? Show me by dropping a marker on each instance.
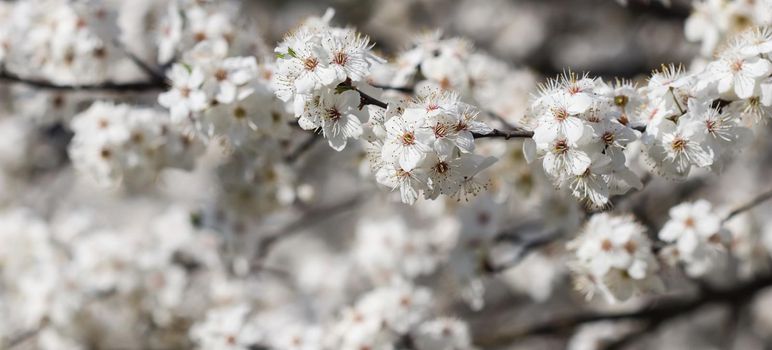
(366, 99)
(523, 239)
(402, 89)
(302, 148)
(657, 312)
(313, 216)
(155, 74)
(496, 133)
(750, 205)
(108, 86)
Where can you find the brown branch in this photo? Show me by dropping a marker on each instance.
(366, 99)
(496, 133)
(304, 147)
(657, 312)
(761, 198)
(521, 243)
(22, 338)
(503, 121)
(108, 86)
(155, 74)
(311, 217)
(402, 89)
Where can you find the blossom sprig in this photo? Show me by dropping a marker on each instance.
(224, 97)
(453, 64)
(184, 24)
(583, 126)
(389, 315)
(64, 51)
(713, 23)
(613, 257)
(120, 142)
(700, 119)
(427, 146)
(312, 62)
(696, 237)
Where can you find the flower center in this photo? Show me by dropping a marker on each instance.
(737, 65)
(239, 112)
(608, 137)
(630, 247)
(310, 63)
(441, 167)
(340, 58)
(561, 114)
(440, 130)
(334, 114)
(678, 144)
(221, 74)
(561, 147)
(408, 139)
(711, 125)
(606, 245)
(621, 100)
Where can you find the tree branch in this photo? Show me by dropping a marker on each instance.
(761, 198)
(366, 99)
(657, 312)
(155, 74)
(496, 133)
(108, 86)
(312, 216)
(303, 148)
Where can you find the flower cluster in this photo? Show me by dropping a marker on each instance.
(715, 22)
(583, 126)
(700, 119)
(410, 254)
(312, 63)
(613, 257)
(698, 239)
(74, 269)
(255, 180)
(384, 317)
(453, 64)
(65, 50)
(427, 146)
(187, 23)
(120, 142)
(224, 97)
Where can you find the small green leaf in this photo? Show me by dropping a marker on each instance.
(280, 55)
(292, 52)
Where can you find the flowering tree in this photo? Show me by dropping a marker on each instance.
(170, 180)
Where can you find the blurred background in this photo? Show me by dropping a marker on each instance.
(599, 36)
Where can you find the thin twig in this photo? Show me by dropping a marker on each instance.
(108, 86)
(155, 74)
(496, 133)
(311, 217)
(22, 338)
(658, 311)
(403, 89)
(366, 99)
(522, 244)
(503, 121)
(750, 205)
(304, 147)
